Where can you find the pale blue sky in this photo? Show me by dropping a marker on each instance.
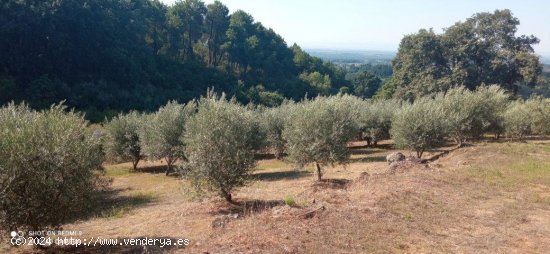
(380, 25)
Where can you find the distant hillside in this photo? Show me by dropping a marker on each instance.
(106, 56)
(545, 60)
(353, 56)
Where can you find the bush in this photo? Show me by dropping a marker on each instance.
(122, 141)
(419, 126)
(289, 201)
(518, 120)
(48, 166)
(220, 143)
(162, 132)
(318, 131)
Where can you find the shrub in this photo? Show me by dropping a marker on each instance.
(289, 200)
(48, 166)
(518, 120)
(220, 143)
(122, 141)
(419, 126)
(162, 132)
(318, 131)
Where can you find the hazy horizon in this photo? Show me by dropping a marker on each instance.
(380, 25)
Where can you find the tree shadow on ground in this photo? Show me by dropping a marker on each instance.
(377, 146)
(142, 244)
(111, 203)
(508, 139)
(280, 175)
(442, 153)
(247, 207)
(368, 159)
(362, 151)
(159, 169)
(330, 183)
(264, 156)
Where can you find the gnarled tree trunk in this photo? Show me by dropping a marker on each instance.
(319, 174)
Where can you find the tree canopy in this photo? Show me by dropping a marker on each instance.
(483, 49)
(106, 56)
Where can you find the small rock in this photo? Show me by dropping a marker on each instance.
(395, 157)
(224, 219)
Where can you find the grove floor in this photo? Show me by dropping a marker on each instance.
(490, 197)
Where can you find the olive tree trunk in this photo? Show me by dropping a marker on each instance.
(319, 174)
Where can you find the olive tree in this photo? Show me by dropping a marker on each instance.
(375, 119)
(540, 112)
(318, 131)
(462, 120)
(48, 168)
(221, 140)
(493, 101)
(518, 120)
(273, 122)
(161, 132)
(469, 114)
(122, 140)
(419, 126)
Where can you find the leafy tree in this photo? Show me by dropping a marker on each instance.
(216, 23)
(463, 114)
(240, 41)
(307, 64)
(187, 17)
(220, 143)
(419, 126)
(259, 95)
(122, 141)
(540, 112)
(375, 119)
(493, 104)
(320, 83)
(420, 66)
(481, 50)
(383, 71)
(484, 49)
(273, 124)
(49, 166)
(344, 90)
(161, 132)
(365, 84)
(318, 131)
(387, 90)
(518, 120)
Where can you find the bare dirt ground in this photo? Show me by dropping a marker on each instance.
(485, 198)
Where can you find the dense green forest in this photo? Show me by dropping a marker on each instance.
(105, 56)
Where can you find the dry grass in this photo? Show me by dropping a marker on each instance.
(485, 198)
